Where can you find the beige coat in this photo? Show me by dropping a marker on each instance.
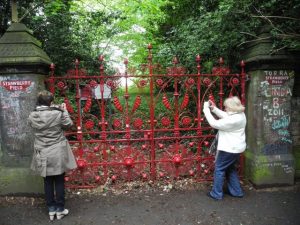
(52, 153)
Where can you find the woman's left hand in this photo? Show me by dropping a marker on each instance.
(205, 105)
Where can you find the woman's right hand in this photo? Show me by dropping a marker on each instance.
(63, 106)
(211, 104)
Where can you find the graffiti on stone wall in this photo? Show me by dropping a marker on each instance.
(277, 77)
(275, 149)
(286, 166)
(14, 95)
(276, 90)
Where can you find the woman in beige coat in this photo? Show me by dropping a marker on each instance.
(52, 153)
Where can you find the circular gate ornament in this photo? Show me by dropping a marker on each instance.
(138, 123)
(165, 121)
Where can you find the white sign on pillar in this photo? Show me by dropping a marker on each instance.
(106, 92)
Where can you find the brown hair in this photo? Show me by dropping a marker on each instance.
(44, 98)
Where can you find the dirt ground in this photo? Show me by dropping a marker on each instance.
(177, 203)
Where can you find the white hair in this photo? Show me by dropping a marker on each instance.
(233, 104)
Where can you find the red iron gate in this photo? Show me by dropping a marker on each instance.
(157, 132)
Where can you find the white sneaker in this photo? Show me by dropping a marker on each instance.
(51, 215)
(60, 215)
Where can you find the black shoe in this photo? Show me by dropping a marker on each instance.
(235, 196)
(209, 195)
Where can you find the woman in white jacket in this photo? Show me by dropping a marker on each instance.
(231, 142)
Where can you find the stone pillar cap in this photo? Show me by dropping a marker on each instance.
(19, 46)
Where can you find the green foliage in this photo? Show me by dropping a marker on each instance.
(84, 29)
(222, 28)
(5, 14)
(70, 32)
(71, 29)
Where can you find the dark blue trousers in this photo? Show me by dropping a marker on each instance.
(55, 192)
(225, 167)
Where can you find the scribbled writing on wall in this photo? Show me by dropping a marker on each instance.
(277, 77)
(15, 105)
(275, 148)
(276, 90)
(285, 165)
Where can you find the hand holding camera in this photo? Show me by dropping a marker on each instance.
(211, 104)
(63, 106)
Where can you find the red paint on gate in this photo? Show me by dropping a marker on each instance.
(158, 135)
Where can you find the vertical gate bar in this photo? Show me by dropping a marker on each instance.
(152, 144)
(51, 80)
(243, 83)
(126, 96)
(220, 74)
(79, 121)
(103, 127)
(199, 130)
(176, 96)
(103, 122)
(127, 119)
(199, 107)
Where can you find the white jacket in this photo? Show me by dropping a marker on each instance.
(231, 128)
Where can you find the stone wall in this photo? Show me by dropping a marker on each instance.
(295, 122)
(271, 156)
(23, 66)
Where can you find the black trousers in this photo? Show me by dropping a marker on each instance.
(54, 187)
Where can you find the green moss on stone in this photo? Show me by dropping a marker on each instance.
(19, 180)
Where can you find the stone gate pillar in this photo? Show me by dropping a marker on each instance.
(269, 158)
(23, 66)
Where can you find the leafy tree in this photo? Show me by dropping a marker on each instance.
(84, 29)
(5, 15)
(222, 28)
(69, 32)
